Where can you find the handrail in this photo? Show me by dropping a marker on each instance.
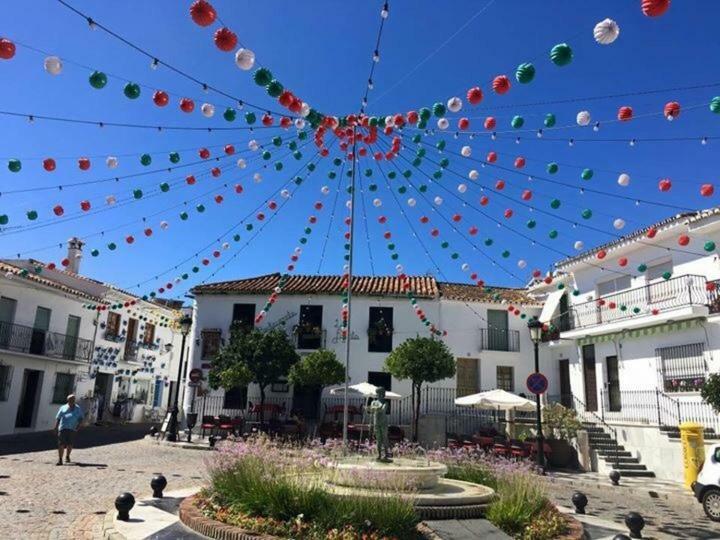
(598, 419)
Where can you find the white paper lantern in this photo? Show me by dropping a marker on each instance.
(619, 223)
(473, 175)
(285, 193)
(164, 225)
(579, 245)
(606, 32)
(299, 123)
(245, 59)
(348, 204)
(225, 245)
(438, 200)
(583, 118)
(178, 280)
(443, 123)
(112, 162)
(465, 267)
(253, 145)
(325, 190)
(208, 110)
(454, 104)
(297, 250)
(241, 163)
(9, 275)
(522, 263)
(53, 65)
(399, 268)
(411, 202)
(390, 121)
(304, 110)
(462, 188)
(110, 199)
(377, 203)
(277, 290)
(257, 177)
(466, 151)
(624, 180)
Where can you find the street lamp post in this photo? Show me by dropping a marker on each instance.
(536, 328)
(172, 432)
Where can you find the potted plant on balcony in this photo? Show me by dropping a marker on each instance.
(560, 428)
(379, 330)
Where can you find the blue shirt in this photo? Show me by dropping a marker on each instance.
(69, 418)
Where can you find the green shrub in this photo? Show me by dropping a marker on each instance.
(520, 498)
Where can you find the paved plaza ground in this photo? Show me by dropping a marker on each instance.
(40, 500)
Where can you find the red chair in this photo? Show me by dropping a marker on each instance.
(485, 443)
(500, 447)
(519, 450)
(208, 422)
(224, 424)
(237, 425)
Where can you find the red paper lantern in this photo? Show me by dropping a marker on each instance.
(655, 311)
(434, 232)
(424, 219)
(229, 149)
(491, 157)
(601, 254)
(548, 280)
(85, 205)
(202, 13)
(706, 190)
(683, 239)
(267, 120)
(456, 217)
(463, 123)
(612, 305)
(489, 123)
(286, 98)
(272, 205)
(215, 171)
(205, 262)
(622, 261)
(519, 162)
(7, 49)
(130, 239)
(204, 153)
(625, 114)
(500, 185)
(526, 195)
(474, 95)
(654, 8)
(296, 105)
(84, 163)
(665, 184)
(473, 231)
(260, 216)
(190, 179)
(671, 110)
(710, 286)
(187, 105)
(219, 199)
(412, 117)
(536, 273)
(501, 84)
(508, 213)
(216, 254)
(285, 122)
(65, 262)
(318, 205)
(651, 232)
(148, 232)
(225, 39)
(484, 200)
(49, 164)
(58, 210)
(238, 188)
(160, 98)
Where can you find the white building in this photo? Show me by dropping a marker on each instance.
(488, 337)
(639, 331)
(62, 333)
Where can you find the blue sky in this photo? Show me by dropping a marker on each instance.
(321, 50)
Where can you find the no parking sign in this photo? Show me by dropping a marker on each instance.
(537, 383)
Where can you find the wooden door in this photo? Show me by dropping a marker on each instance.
(566, 399)
(467, 376)
(613, 384)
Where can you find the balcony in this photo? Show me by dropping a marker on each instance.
(29, 340)
(131, 351)
(310, 339)
(685, 296)
(497, 339)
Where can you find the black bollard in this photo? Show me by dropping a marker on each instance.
(635, 523)
(124, 503)
(615, 477)
(158, 484)
(580, 501)
(211, 441)
(621, 537)
(153, 431)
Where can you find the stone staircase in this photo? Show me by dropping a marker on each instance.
(614, 454)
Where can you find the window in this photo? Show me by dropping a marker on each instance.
(380, 329)
(149, 335)
(682, 367)
(505, 378)
(244, 315)
(210, 343)
(466, 377)
(656, 271)
(309, 328)
(235, 398)
(141, 391)
(614, 285)
(64, 386)
(5, 382)
(112, 327)
(497, 336)
(7, 317)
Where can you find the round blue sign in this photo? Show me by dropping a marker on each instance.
(537, 383)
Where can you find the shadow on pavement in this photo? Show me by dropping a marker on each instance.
(88, 437)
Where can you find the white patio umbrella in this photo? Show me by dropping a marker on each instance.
(363, 389)
(497, 400)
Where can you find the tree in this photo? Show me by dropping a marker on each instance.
(710, 391)
(253, 356)
(320, 368)
(421, 360)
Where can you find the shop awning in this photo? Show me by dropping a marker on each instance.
(551, 304)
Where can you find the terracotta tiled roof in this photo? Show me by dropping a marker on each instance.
(472, 293)
(8, 268)
(422, 286)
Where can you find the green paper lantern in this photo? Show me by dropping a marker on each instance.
(302, 135)
(531, 224)
(505, 254)
(437, 175)
(709, 246)
(392, 175)
(24, 272)
(553, 234)
(337, 162)
(517, 121)
(440, 145)
(549, 120)
(488, 241)
(715, 104)
(131, 90)
(174, 157)
(297, 154)
(275, 88)
(586, 214)
(298, 180)
(667, 275)
(552, 168)
(262, 77)
(184, 216)
(642, 267)
(332, 175)
(390, 246)
(368, 173)
(576, 292)
(586, 174)
(402, 190)
(623, 307)
(230, 114)
(14, 165)
(422, 188)
(266, 155)
(444, 162)
(236, 237)
(454, 256)
(146, 159)
(195, 269)
(424, 113)
(277, 141)
(420, 152)
(636, 310)
(555, 204)
(185, 276)
(416, 162)
(250, 117)
(95, 252)
(561, 286)
(444, 245)
(311, 167)
(200, 208)
(292, 145)
(112, 246)
(561, 54)
(422, 124)
(373, 187)
(525, 73)
(373, 121)
(164, 187)
(137, 193)
(439, 110)
(278, 165)
(303, 240)
(249, 227)
(98, 80)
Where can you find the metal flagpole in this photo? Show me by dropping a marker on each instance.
(348, 337)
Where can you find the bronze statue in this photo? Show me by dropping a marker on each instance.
(378, 410)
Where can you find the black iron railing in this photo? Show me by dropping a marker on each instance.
(131, 351)
(686, 290)
(498, 339)
(26, 339)
(591, 417)
(310, 340)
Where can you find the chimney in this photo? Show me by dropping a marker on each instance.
(74, 254)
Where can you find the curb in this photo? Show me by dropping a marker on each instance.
(184, 445)
(192, 518)
(108, 528)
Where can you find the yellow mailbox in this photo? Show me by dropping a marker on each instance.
(693, 447)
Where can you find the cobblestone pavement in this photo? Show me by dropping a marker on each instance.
(40, 500)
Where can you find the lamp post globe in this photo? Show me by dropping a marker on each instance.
(185, 323)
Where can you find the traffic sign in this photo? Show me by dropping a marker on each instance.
(537, 383)
(195, 375)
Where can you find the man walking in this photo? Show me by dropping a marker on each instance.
(67, 423)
